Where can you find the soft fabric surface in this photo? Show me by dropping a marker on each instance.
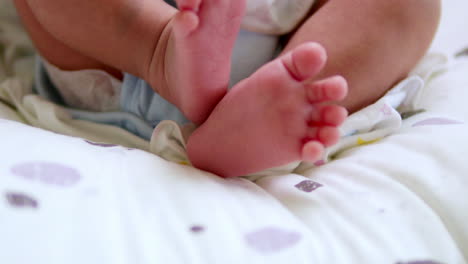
(452, 36)
(66, 199)
(400, 200)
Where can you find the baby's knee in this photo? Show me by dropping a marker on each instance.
(413, 14)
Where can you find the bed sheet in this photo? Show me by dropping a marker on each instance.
(400, 200)
(451, 36)
(67, 199)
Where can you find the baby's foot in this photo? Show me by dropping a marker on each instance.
(272, 118)
(196, 47)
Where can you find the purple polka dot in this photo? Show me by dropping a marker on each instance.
(308, 186)
(47, 173)
(21, 200)
(197, 229)
(420, 262)
(104, 145)
(271, 239)
(437, 121)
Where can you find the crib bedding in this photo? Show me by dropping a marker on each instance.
(400, 200)
(74, 192)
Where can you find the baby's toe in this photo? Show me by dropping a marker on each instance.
(312, 151)
(326, 135)
(330, 89)
(305, 61)
(327, 115)
(191, 5)
(185, 22)
(333, 115)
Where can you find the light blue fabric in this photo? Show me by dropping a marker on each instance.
(142, 109)
(139, 98)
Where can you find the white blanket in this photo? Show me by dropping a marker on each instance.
(400, 200)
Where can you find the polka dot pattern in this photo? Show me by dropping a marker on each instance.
(437, 121)
(47, 173)
(197, 229)
(272, 239)
(420, 262)
(308, 186)
(21, 200)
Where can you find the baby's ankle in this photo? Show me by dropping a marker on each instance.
(154, 70)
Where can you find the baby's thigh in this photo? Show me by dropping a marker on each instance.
(53, 50)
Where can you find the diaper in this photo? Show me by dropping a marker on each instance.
(136, 108)
(275, 17)
(93, 90)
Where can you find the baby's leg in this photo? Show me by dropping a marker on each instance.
(373, 44)
(119, 33)
(272, 118)
(184, 55)
(192, 69)
(55, 51)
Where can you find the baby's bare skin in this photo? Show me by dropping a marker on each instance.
(246, 131)
(273, 109)
(192, 60)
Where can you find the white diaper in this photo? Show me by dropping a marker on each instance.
(276, 17)
(93, 90)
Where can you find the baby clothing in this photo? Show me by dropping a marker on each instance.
(95, 95)
(275, 17)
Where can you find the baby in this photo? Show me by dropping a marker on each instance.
(288, 110)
